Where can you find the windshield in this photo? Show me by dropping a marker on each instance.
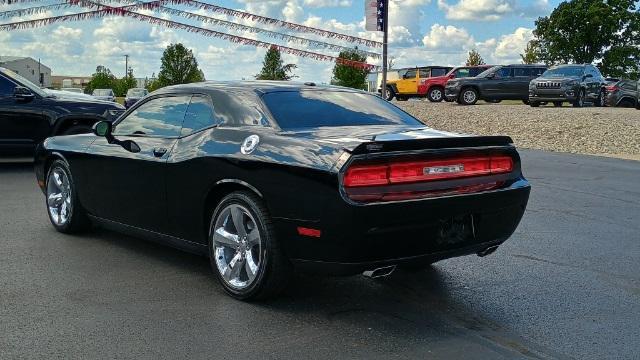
(565, 71)
(489, 71)
(33, 87)
(102, 92)
(137, 92)
(322, 108)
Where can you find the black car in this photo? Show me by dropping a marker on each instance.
(622, 93)
(268, 177)
(134, 95)
(509, 82)
(29, 114)
(576, 84)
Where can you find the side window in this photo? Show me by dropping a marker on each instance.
(6, 87)
(438, 72)
(200, 114)
(537, 72)
(157, 117)
(521, 72)
(464, 72)
(475, 71)
(628, 85)
(410, 74)
(503, 72)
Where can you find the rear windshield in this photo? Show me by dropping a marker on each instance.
(321, 108)
(137, 92)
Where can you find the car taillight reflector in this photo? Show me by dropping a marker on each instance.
(366, 176)
(428, 170)
(611, 88)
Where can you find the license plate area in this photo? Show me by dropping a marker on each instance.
(457, 230)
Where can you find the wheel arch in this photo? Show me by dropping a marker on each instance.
(219, 190)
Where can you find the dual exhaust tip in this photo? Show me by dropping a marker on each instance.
(379, 272)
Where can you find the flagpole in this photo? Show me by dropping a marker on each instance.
(384, 47)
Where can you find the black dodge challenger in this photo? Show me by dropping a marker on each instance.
(270, 177)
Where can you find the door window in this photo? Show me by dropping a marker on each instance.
(410, 74)
(424, 73)
(522, 72)
(200, 115)
(6, 87)
(464, 72)
(503, 72)
(438, 72)
(476, 71)
(159, 117)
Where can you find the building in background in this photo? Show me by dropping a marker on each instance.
(29, 68)
(67, 81)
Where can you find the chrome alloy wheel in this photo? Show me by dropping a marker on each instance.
(436, 94)
(59, 196)
(469, 96)
(237, 246)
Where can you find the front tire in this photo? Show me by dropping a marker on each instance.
(435, 94)
(63, 207)
(580, 100)
(557, 103)
(243, 250)
(390, 94)
(468, 96)
(602, 98)
(534, 104)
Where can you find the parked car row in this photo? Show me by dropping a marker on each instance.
(133, 95)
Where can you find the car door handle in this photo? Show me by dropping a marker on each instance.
(159, 151)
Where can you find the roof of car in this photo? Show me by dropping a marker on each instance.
(262, 86)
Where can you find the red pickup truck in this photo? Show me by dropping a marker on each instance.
(433, 87)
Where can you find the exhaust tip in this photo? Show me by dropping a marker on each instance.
(488, 251)
(379, 272)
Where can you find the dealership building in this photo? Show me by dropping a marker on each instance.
(29, 68)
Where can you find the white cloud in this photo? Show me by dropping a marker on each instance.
(327, 3)
(479, 10)
(447, 37)
(510, 46)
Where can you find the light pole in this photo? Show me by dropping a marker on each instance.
(384, 47)
(126, 65)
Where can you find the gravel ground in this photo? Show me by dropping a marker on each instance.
(599, 131)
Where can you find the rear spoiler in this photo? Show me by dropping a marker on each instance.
(431, 143)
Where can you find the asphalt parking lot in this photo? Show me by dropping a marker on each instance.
(566, 285)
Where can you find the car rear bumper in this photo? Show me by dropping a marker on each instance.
(358, 238)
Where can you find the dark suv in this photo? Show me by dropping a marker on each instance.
(29, 114)
(509, 82)
(576, 84)
(622, 93)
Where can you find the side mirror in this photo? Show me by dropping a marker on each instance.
(103, 128)
(22, 93)
(452, 76)
(130, 146)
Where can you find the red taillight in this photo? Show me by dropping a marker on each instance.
(428, 170)
(304, 231)
(366, 176)
(611, 88)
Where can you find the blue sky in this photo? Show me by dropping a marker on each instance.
(422, 32)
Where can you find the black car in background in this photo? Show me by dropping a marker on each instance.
(576, 84)
(622, 93)
(268, 177)
(134, 95)
(29, 114)
(509, 82)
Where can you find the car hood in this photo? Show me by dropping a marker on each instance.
(400, 137)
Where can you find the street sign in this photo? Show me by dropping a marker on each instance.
(375, 11)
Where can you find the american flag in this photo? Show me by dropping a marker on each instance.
(374, 11)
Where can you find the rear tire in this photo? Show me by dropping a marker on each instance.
(534, 104)
(255, 241)
(557, 103)
(526, 102)
(468, 96)
(602, 98)
(435, 94)
(390, 94)
(61, 199)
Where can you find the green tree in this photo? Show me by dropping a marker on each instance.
(586, 31)
(122, 85)
(474, 58)
(179, 66)
(101, 79)
(530, 55)
(350, 76)
(272, 67)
